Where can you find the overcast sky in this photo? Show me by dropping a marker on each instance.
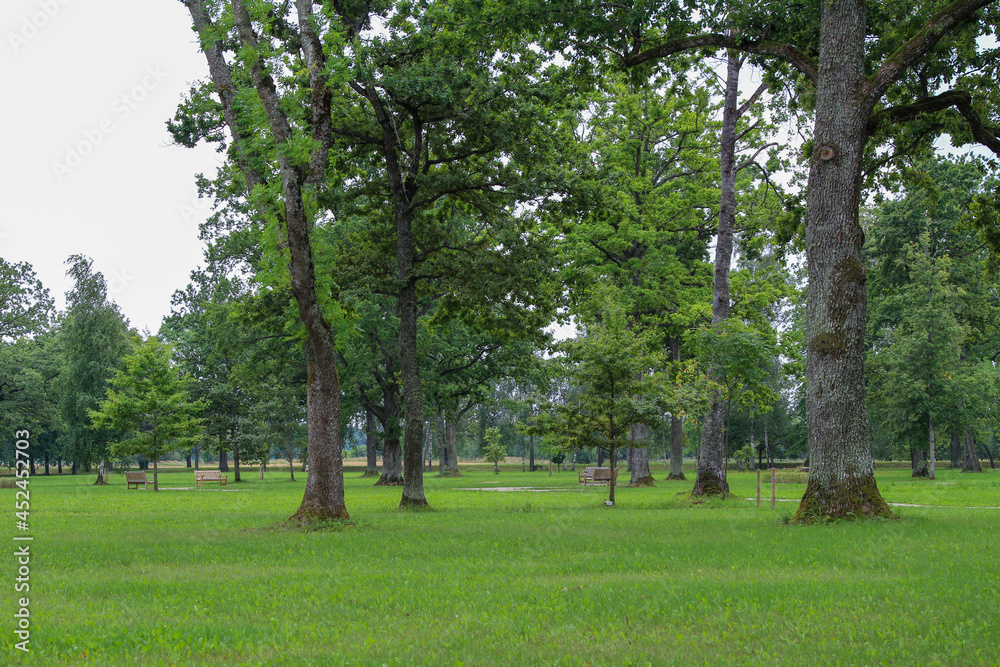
(88, 167)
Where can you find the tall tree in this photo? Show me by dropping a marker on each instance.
(94, 340)
(281, 181)
(869, 77)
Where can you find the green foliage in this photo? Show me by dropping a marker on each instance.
(92, 568)
(148, 403)
(25, 305)
(495, 451)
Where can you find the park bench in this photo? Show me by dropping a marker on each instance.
(136, 478)
(587, 476)
(605, 475)
(202, 476)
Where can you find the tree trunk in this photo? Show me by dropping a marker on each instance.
(522, 454)
(442, 436)
(324, 493)
(187, 460)
(600, 457)
(74, 468)
(841, 474)
(392, 455)
(156, 478)
(711, 479)
(451, 433)
(236, 461)
(371, 444)
(47, 473)
(676, 448)
(531, 453)
(611, 483)
(932, 454)
(223, 460)
(102, 476)
(956, 450)
(640, 458)
(290, 448)
(918, 462)
(59, 464)
(197, 455)
(970, 456)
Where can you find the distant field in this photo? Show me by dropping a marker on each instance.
(548, 576)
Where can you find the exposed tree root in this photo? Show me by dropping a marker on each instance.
(855, 498)
(642, 481)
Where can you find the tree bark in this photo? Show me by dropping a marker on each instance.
(970, 456)
(932, 455)
(956, 449)
(392, 455)
(711, 478)
(442, 436)
(841, 474)
(324, 493)
(918, 462)
(531, 453)
(451, 433)
(223, 460)
(371, 444)
(640, 458)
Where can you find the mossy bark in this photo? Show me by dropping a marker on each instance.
(640, 474)
(970, 457)
(856, 497)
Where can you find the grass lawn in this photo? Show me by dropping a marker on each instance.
(186, 577)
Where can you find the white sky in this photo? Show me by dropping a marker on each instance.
(100, 79)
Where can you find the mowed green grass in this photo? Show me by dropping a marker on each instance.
(186, 577)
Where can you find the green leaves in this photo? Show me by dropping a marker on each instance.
(148, 402)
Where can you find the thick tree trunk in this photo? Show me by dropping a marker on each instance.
(956, 450)
(102, 475)
(392, 455)
(59, 464)
(841, 474)
(74, 468)
(918, 462)
(711, 479)
(413, 410)
(47, 472)
(371, 444)
(970, 456)
(223, 460)
(600, 457)
(187, 461)
(640, 458)
(324, 493)
(236, 462)
(676, 448)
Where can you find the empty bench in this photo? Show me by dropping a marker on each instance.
(136, 478)
(593, 475)
(202, 476)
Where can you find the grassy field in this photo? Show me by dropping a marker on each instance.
(529, 577)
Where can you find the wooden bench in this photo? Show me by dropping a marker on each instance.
(202, 476)
(136, 478)
(605, 475)
(587, 476)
